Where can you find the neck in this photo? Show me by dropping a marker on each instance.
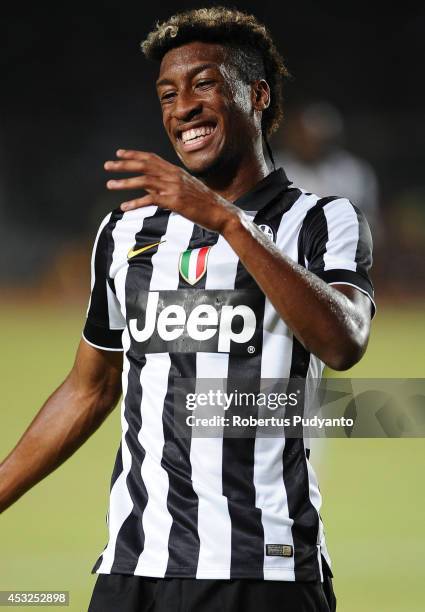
(233, 178)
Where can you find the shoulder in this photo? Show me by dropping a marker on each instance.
(115, 216)
(107, 221)
(104, 231)
(334, 209)
(333, 219)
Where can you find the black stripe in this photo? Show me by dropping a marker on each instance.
(131, 537)
(247, 539)
(98, 562)
(363, 257)
(313, 236)
(182, 501)
(118, 467)
(305, 528)
(101, 336)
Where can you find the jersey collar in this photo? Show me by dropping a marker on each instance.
(265, 191)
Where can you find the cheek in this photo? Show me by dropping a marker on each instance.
(241, 97)
(166, 120)
(238, 120)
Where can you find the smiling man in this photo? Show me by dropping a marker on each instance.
(222, 270)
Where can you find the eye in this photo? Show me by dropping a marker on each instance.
(168, 96)
(204, 83)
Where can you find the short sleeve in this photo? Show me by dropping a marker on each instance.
(104, 323)
(337, 245)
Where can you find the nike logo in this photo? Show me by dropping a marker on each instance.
(133, 253)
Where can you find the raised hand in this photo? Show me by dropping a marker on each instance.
(171, 187)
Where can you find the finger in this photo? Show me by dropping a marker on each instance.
(140, 156)
(147, 200)
(129, 165)
(150, 159)
(138, 182)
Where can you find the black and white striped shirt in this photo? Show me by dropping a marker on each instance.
(212, 507)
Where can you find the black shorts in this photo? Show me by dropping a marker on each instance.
(121, 593)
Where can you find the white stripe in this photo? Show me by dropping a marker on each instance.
(343, 235)
(116, 320)
(157, 520)
(323, 546)
(206, 454)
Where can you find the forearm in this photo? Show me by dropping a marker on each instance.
(67, 419)
(325, 321)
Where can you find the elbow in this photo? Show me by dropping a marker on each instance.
(342, 363)
(344, 358)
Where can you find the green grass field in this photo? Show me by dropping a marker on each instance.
(373, 489)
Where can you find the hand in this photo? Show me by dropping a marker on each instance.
(171, 187)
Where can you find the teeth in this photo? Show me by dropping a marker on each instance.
(196, 133)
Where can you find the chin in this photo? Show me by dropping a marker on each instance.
(202, 167)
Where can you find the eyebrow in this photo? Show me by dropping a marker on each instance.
(194, 71)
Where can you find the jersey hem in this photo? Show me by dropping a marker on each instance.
(360, 289)
(103, 348)
(266, 573)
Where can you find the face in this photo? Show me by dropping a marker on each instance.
(207, 110)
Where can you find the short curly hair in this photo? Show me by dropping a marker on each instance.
(251, 48)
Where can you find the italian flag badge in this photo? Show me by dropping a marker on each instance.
(193, 264)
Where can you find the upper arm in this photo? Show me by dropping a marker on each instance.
(97, 373)
(98, 364)
(337, 246)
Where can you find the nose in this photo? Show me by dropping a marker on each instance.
(186, 107)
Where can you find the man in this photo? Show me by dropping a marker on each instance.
(218, 271)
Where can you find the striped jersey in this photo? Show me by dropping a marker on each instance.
(177, 301)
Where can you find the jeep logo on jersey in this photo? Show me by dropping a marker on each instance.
(189, 321)
(193, 264)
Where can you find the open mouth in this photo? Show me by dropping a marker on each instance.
(195, 138)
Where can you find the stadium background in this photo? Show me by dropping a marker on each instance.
(75, 88)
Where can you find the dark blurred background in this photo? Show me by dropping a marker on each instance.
(76, 87)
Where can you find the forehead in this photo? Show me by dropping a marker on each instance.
(184, 59)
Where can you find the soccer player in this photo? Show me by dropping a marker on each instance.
(219, 270)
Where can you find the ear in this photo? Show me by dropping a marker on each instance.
(260, 95)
